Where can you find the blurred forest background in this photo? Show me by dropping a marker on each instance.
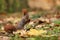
(11, 6)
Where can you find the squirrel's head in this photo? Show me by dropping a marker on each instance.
(24, 11)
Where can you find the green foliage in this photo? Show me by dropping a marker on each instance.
(39, 38)
(0, 26)
(35, 16)
(43, 38)
(10, 10)
(30, 38)
(57, 22)
(2, 6)
(16, 37)
(58, 8)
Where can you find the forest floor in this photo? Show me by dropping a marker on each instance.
(41, 28)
